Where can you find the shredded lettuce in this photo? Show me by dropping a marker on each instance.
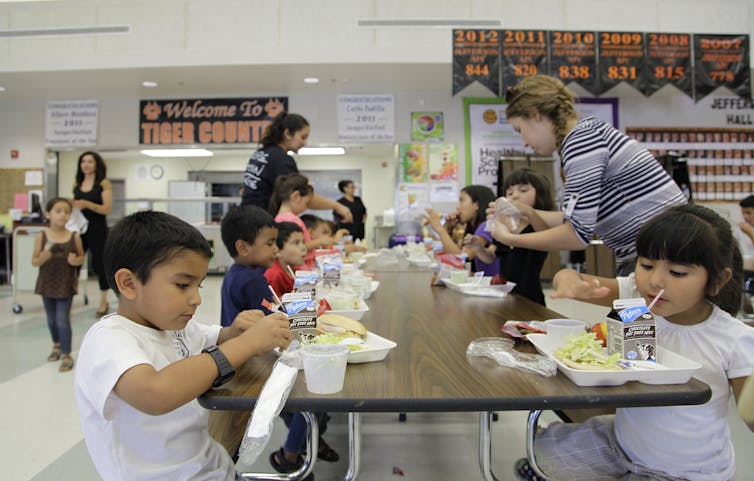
(586, 348)
(328, 338)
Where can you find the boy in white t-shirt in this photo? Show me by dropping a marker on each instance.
(745, 232)
(141, 369)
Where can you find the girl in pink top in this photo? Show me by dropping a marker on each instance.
(290, 197)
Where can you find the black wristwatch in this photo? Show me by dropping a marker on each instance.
(224, 368)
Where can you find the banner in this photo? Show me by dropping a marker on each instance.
(71, 123)
(476, 57)
(207, 121)
(621, 59)
(524, 53)
(598, 61)
(668, 62)
(721, 60)
(573, 58)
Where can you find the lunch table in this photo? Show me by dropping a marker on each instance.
(429, 370)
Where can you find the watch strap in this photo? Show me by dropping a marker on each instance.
(224, 367)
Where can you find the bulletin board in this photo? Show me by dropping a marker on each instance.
(13, 181)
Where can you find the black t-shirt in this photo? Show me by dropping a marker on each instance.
(263, 168)
(523, 266)
(358, 211)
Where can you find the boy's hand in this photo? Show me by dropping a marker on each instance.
(243, 321)
(270, 332)
(746, 228)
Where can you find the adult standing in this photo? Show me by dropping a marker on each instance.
(613, 185)
(93, 195)
(287, 132)
(357, 208)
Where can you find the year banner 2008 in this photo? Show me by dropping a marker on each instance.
(598, 61)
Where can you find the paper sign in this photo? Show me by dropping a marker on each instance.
(33, 177)
(366, 118)
(71, 123)
(20, 201)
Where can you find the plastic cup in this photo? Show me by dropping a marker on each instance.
(324, 367)
(342, 300)
(562, 328)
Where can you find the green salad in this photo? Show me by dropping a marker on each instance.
(334, 339)
(585, 351)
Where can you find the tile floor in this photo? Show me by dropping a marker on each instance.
(42, 438)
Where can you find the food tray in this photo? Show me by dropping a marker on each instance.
(473, 289)
(372, 287)
(671, 368)
(375, 348)
(353, 313)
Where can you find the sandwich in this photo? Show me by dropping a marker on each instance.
(340, 326)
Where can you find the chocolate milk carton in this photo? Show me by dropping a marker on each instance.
(631, 331)
(302, 314)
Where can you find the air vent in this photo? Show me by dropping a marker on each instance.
(427, 23)
(66, 31)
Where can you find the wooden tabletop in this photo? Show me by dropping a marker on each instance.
(429, 369)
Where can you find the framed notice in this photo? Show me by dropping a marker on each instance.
(71, 123)
(366, 118)
(667, 62)
(524, 53)
(476, 57)
(621, 59)
(573, 58)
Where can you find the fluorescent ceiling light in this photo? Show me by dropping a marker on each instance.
(311, 80)
(149, 84)
(177, 153)
(320, 151)
(2, 89)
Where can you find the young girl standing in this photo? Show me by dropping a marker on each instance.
(529, 192)
(290, 198)
(688, 254)
(58, 252)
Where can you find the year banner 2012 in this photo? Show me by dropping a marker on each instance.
(598, 61)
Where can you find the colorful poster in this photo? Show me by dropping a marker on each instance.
(488, 136)
(414, 162)
(427, 126)
(411, 201)
(443, 161)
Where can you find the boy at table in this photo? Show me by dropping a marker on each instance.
(142, 368)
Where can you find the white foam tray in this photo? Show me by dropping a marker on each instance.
(671, 368)
(373, 287)
(375, 348)
(352, 313)
(473, 289)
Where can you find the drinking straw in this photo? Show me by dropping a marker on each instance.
(657, 298)
(293, 274)
(275, 296)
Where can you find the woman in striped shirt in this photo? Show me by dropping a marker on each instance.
(613, 185)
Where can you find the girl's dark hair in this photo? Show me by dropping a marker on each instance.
(51, 203)
(343, 184)
(146, 239)
(285, 186)
(695, 235)
(100, 169)
(481, 195)
(274, 133)
(243, 222)
(285, 229)
(541, 184)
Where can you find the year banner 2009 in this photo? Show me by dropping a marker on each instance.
(598, 61)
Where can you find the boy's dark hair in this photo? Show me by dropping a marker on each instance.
(311, 221)
(343, 184)
(143, 240)
(747, 202)
(51, 203)
(482, 196)
(543, 199)
(283, 121)
(243, 222)
(285, 186)
(285, 229)
(695, 235)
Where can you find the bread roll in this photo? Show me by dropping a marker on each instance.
(341, 326)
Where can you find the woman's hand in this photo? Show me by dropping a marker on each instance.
(569, 284)
(80, 204)
(345, 213)
(502, 233)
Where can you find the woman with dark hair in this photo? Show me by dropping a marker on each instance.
(93, 195)
(287, 132)
(470, 211)
(357, 208)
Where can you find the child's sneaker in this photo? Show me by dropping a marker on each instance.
(524, 472)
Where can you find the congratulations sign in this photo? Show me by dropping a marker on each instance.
(207, 121)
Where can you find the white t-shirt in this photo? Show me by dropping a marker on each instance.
(125, 443)
(746, 245)
(691, 442)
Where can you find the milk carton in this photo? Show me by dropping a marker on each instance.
(631, 330)
(302, 314)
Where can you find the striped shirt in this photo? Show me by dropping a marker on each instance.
(613, 186)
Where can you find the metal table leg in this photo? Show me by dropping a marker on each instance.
(312, 446)
(485, 446)
(354, 446)
(531, 432)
